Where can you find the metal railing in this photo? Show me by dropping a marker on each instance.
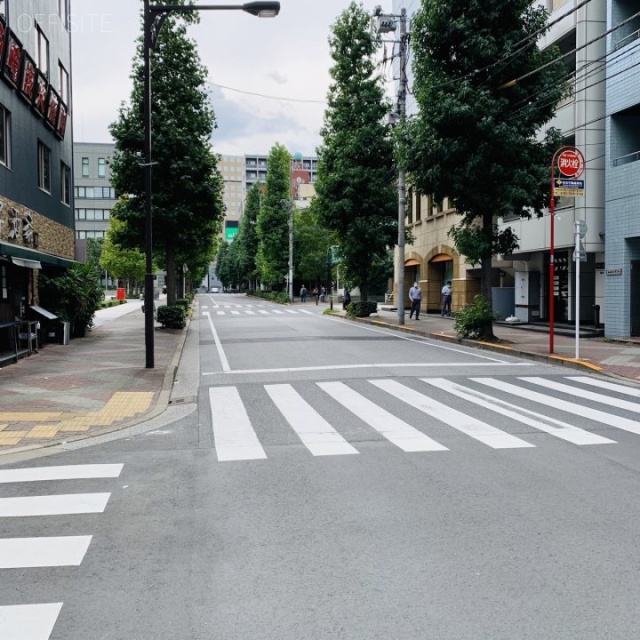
(626, 40)
(630, 157)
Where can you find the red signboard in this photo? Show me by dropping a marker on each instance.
(52, 108)
(40, 96)
(28, 81)
(13, 61)
(571, 163)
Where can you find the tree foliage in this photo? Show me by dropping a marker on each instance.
(273, 219)
(187, 186)
(311, 243)
(357, 196)
(476, 138)
(247, 239)
(124, 264)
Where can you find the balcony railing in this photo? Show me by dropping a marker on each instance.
(630, 157)
(627, 39)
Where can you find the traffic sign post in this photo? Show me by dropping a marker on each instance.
(579, 255)
(571, 165)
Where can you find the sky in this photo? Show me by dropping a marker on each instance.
(286, 57)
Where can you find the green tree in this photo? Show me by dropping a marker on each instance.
(228, 265)
(357, 197)
(476, 139)
(187, 186)
(127, 265)
(273, 219)
(311, 243)
(247, 238)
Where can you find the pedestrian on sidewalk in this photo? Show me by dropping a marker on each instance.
(346, 299)
(323, 294)
(303, 294)
(447, 292)
(316, 294)
(415, 295)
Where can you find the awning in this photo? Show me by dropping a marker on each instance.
(14, 251)
(441, 257)
(27, 264)
(412, 263)
(43, 312)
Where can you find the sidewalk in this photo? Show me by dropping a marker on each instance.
(99, 383)
(91, 386)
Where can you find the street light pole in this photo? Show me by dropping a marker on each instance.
(402, 109)
(154, 17)
(289, 206)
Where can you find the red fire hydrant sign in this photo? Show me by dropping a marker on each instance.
(571, 163)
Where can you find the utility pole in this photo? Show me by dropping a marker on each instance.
(402, 110)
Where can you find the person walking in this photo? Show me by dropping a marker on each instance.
(303, 294)
(346, 299)
(446, 299)
(316, 294)
(323, 294)
(415, 295)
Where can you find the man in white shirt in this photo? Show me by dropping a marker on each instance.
(446, 299)
(415, 295)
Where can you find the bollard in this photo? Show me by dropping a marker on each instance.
(331, 303)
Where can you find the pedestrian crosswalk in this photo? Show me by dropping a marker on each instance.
(253, 310)
(416, 415)
(34, 620)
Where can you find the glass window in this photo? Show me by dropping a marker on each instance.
(42, 52)
(64, 84)
(81, 214)
(91, 214)
(63, 12)
(65, 183)
(5, 137)
(106, 213)
(85, 167)
(44, 167)
(102, 165)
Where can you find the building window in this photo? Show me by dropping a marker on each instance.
(44, 167)
(96, 193)
(65, 183)
(5, 137)
(64, 84)
(418, 206)
(4, 282)
(85, 167)
(42, 52)
(102, 165)
(63, 12)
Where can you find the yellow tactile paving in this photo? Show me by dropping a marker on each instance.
(12, 437)
(43, 431)
(121, 405)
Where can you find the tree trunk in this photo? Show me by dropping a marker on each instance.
(485, 282)
(171, 275)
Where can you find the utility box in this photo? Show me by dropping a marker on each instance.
(527, 296)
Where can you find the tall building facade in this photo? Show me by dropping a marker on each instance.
(36, 150)
(232, 169)
(622, 170)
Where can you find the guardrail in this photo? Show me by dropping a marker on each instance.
(630, 157)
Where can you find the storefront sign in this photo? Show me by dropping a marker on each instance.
(614, 272)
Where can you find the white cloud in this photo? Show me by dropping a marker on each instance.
(286, 57)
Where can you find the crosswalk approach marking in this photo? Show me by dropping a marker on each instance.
(233, 434)
(55, 505)
(263, 312)
(492, 437)
(610, 386)
(235, 313)
(250, 313)
(394, 429)
(25, 553)
(570, 407)
(67, 472)
(28, 621)
(549, 425)
(220, 313)
(313, 430)
(583, 393)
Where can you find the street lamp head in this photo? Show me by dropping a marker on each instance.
(262, 9)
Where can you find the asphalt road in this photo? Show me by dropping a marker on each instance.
(327, 479)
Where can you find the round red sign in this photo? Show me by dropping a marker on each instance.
(571, 163)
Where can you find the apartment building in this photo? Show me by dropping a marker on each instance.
(36, 152)
(232, 169)
(622, 171)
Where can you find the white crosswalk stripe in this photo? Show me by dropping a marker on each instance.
(313, 430)
(610, 386)
(549, 425)
(237, 433)
(392, 428)
(36, 621)
(563, 405)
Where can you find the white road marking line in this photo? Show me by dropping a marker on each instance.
(221, 354)
(250, 313)
(391, 427)
(313, 430)
(204, 306)
(278, 311)
(235, 313)
(549, 425)
(292, 311)
(587, 395)
(233, 434)
(492, 437)
(220, 313)
(25, 553)
(570, 407)
(264, 313)
(67, 472)
(28, 621)
(610, 386)
(55, 505)
(308, 312)
(380, 365)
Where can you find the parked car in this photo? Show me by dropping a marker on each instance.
(215, 290)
